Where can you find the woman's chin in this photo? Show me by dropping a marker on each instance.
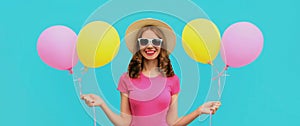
(150, 58)
(153, 57)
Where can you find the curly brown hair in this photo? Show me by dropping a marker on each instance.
(164, 63)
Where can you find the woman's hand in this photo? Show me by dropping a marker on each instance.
(208, 107)
(92, 100)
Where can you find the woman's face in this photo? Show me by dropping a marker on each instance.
(151, 50)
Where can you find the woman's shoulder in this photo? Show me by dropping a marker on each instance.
(174, 77)
(124, 75)
(174, 84)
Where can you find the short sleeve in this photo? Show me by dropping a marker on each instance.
(122, 87)
(175, 87)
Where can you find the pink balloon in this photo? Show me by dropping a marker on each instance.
(57, 47)
(241, 44)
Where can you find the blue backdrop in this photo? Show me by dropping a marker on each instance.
(262, 93)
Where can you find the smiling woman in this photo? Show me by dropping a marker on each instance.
(149, 90)
(152, 50)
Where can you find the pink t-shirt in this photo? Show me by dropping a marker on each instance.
(149, 97)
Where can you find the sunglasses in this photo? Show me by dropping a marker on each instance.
(146, 42)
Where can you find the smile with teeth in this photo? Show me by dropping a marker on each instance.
(150, 52)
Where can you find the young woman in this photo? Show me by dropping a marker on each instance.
(149, 90)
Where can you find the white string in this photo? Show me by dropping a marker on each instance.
(94, 111)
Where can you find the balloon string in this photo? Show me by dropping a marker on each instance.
(83, 71)
(221, 73)
(94, 111)
(78, 80)
(210, 115)
(80, 87)
(219, 85)
(216, 69)
(219, 78)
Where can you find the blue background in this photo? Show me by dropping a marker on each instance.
(262, 93)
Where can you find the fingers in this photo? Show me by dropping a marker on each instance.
(215, 102)
(88, 99)
(213, 110)
(215, 106)
(90, 104)
(218, 103)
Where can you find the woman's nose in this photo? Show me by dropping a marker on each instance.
(150, 46)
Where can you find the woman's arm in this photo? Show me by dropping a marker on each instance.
(123, 119)
(172, 117)
(174, 120)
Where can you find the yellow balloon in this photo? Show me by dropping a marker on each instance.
(201, 40)
(97, 44)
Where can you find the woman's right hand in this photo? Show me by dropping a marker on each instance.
(92, 100)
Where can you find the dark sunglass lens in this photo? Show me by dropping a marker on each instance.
(156, 42)
(143, 42)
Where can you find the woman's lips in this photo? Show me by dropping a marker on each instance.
(150, 52)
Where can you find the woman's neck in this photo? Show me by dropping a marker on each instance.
(150, 67)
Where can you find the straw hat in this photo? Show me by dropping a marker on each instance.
(132, 31)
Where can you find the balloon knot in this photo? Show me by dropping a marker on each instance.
(71, 71)
(210, 63)
(226, 67)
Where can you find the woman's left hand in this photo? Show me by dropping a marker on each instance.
(209, 107)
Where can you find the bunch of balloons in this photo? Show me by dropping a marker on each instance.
(241, 43)
(95, 46)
